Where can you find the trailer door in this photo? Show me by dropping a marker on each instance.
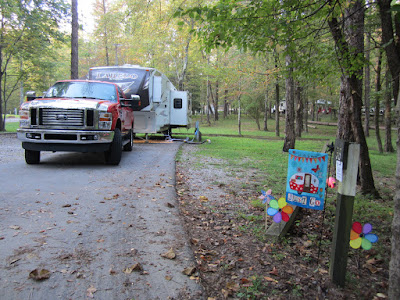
(307, 183)
(179, 108)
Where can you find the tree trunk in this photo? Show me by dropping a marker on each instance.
(239, 117)
(306, 112)
(216, 115)
(394, 266)
(106, 35)
(377, 99)
(299, 111)
(290, 137)
(387, 116)
(349, 41)
(367, 85)
(74, 41)
(276, 98)
(226, 103)
(391, 42)
(266, 110)
(208, 102)
(344, 129)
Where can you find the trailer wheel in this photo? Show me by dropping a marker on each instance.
(32, 157)
(129, 145)
(113, 156)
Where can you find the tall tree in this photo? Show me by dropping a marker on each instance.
(390, 40)
(74, 41)
(349, 39)
(27, 30)
(290, 137)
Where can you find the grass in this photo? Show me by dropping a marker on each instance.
(11, 126)
(264, 157)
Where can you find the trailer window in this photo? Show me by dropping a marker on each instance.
(177, 103)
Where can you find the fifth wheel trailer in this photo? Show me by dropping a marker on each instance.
(161, 106)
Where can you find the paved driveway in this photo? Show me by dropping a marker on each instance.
(99, 230)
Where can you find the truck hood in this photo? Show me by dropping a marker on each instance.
(68, 103)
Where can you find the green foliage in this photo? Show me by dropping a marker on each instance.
(29, 34)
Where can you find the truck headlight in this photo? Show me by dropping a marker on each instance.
(105, 120)
(24, 118)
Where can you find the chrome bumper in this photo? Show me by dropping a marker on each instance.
(81, 137)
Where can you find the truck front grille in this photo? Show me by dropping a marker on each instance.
(61, 117)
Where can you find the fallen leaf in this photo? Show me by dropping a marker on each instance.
(170, 254)
(169, 278)
(270, 279)
(136, 267)
(15, 227)
(233, 286)
(14, 261)
(112, 271)
(225, 293)
(307, 244)
(67, 205)
(39, 274)
(90, 291)
(189, 271)
(274, 271)
(381, 295)
(203, 199)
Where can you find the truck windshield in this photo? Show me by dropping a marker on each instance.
(89, 90)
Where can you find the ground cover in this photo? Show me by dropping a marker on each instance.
(218, 186)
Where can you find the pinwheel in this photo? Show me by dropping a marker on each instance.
(360, 236)
(331, 182)
(279, 210)
(266, 196)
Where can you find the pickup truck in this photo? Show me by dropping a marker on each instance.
(78, 116)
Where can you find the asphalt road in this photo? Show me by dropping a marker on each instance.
(99, 230)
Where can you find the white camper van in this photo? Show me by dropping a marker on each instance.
(161, 106)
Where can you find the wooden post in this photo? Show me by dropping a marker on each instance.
(344, 214)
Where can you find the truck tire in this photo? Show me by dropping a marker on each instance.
(129, 145)
(113, 156)
(32, 157)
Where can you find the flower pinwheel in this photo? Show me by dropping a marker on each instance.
(279, 210)
(266, 196)
(360, 236)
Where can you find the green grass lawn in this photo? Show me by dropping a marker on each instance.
(266, 156)
(11, 126)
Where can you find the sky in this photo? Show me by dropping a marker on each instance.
(85, 8)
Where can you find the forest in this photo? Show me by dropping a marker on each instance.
(234, 57)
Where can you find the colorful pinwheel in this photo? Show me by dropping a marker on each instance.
(266, 196)
(360, 236)
(279, 210)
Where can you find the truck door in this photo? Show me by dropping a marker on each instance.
(179, 107)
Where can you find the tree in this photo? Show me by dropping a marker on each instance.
(390, 40)
(27, 31)
(74, 41)
(349, 39)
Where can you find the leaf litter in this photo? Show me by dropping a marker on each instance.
(235, 259)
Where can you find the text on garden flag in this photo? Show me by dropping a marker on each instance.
(306, 179)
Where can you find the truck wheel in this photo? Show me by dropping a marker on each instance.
(113, 156)
(32, 157)
(129, 145)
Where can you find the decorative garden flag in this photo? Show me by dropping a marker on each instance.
(306, 180)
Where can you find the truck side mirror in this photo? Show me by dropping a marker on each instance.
(136, 103)
(30, 95)
(135, 97)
